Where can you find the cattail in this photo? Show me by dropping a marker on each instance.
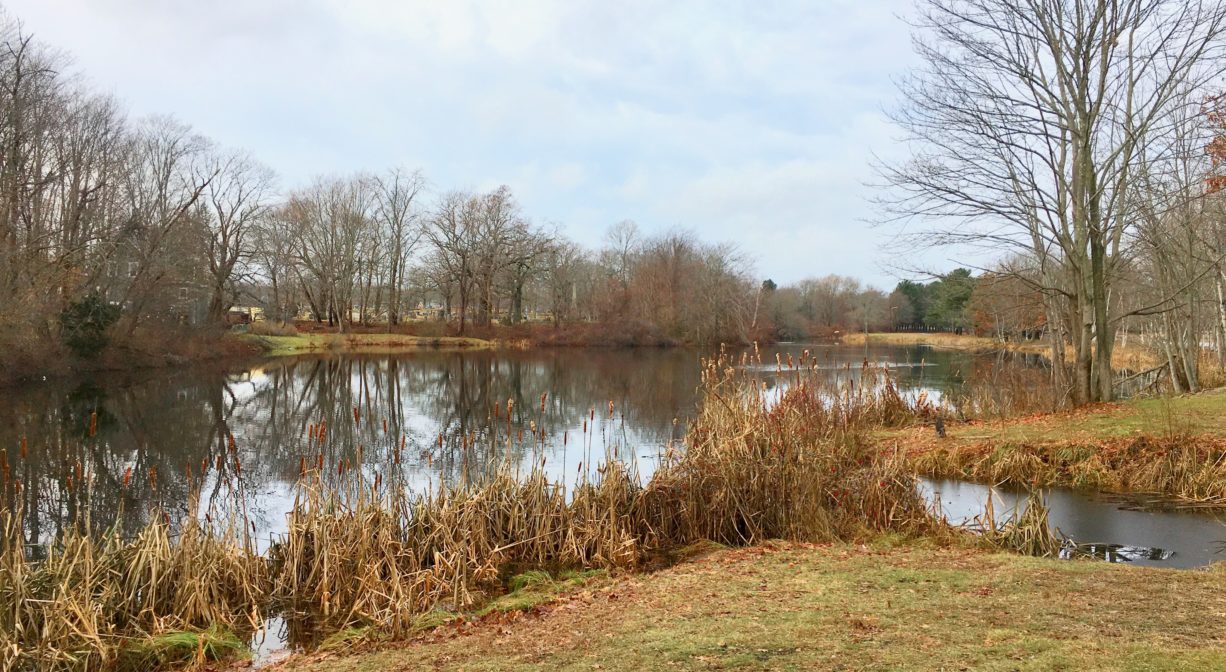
(355, 415)
(127, 476)
(385, 425)
(153, 478)
(610, 409)
(302, 466)
(24, 452)
(93, 423)
(543, 396)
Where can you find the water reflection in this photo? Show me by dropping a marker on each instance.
(1106, 528)
(241, 438)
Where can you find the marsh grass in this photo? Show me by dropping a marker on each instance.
(1026, 531)
(1186, 467)
(367, 556)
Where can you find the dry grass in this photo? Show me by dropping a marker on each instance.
(1172, 446)
(849, 607)
(271, 328)
(97, 599)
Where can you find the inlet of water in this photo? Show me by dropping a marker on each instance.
(1110, 527)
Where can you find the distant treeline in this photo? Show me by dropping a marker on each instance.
(825, 307)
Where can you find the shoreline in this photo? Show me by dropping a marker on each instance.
(1169, 446)
(1123, 358)
(345, 344)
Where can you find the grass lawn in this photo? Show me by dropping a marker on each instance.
(358, 343)
(843, 607)
(1195, 414)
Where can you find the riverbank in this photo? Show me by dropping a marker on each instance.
(523, 335)
(359, 343)
(1173, 446)
(841, 606)
(1124, 357)
(178, 346)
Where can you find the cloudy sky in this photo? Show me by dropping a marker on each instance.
(751, 123)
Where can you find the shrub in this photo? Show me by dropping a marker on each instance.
(84, 324)
(267, 328)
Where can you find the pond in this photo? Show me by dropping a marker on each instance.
(158, 430)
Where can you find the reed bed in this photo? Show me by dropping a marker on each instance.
(365, 550)
(1189, 468)
(1026, 531)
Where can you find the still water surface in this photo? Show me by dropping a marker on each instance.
(170, 423)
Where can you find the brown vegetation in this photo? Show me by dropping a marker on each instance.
(1174, 447)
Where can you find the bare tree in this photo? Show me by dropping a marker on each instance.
(234, 202)
(165, 175)
(454, 234)
(1027, 123)
(396, 211)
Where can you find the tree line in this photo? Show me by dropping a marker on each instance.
(121, 227)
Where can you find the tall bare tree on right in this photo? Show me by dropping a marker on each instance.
(1027, 123)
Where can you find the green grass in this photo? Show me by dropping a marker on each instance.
(180, 648)
(850, 607)
(538, 587)
(1187, 415)
(358, 343)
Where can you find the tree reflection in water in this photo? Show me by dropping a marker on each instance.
(166, 430)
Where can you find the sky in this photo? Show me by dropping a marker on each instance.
(753, 123)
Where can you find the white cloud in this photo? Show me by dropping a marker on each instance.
(752, 121)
